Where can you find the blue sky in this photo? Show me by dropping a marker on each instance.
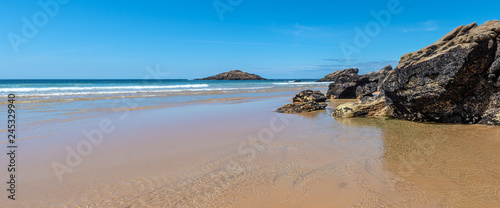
(188, 39)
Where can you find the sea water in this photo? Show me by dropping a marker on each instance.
(40, 102)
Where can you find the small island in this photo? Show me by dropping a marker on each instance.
(234, 75)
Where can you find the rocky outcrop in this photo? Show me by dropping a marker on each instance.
(305, 101)
(371, 82)
(374, 107)
(234, 75)
(346, 75)
(308, 96)
(302, 107)
(348, 85)
(454, 80)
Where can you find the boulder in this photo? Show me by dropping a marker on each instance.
(346, 75)
(371, 82)
(305, 101)
(374, 107)
(302, 107)
(234, 75)
(454, 80)
(352, 87)
(309, 95)
(340, 90)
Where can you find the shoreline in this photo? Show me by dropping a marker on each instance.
(313, 158)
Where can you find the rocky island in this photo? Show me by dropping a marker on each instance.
(234, 75)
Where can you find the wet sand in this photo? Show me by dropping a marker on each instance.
(242, 154)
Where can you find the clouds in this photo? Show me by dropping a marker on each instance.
(230, 42)
(305, 31)
(363, 66)
(299, 30)
(429, 25)
(339, 60)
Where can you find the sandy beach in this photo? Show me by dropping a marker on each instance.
(239, 153)
(250, 104)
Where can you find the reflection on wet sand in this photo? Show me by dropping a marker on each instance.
(351, 162)
(316, 161)
(456, 165)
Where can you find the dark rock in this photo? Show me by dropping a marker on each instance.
(302, 107)
(340, 90)
(449, 81)
(234, 75)
(297, 81)
(346, 75)
(352, 87)
(305, 101)
(368, 106)
(309, 95)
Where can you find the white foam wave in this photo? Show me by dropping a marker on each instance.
(44, 89)
(145, 91)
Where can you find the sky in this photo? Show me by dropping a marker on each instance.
(69, 39)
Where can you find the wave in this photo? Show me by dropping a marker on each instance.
(41, 89)
(54, 94)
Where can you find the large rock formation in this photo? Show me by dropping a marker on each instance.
(347, 84)
(305, 101)
(454, 80)
(234, 75)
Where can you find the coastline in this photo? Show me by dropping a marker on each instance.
(63, 109)
(361, 162)
(180, 104)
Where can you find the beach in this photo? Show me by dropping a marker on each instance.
(224, 146)
(251, 104)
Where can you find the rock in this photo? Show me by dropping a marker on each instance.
(374, 107)
(352, 87)
(491, 117)
(346, 75)
(309, 95)
(302, 107)
(340, 90)
(297, 81)
(451, 81)
(305, 101)
(234, 75)
(495, 100)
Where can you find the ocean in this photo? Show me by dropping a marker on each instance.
(55, 89)
(42, 102)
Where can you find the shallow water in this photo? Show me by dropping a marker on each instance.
(41, 103)
(242, 154)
